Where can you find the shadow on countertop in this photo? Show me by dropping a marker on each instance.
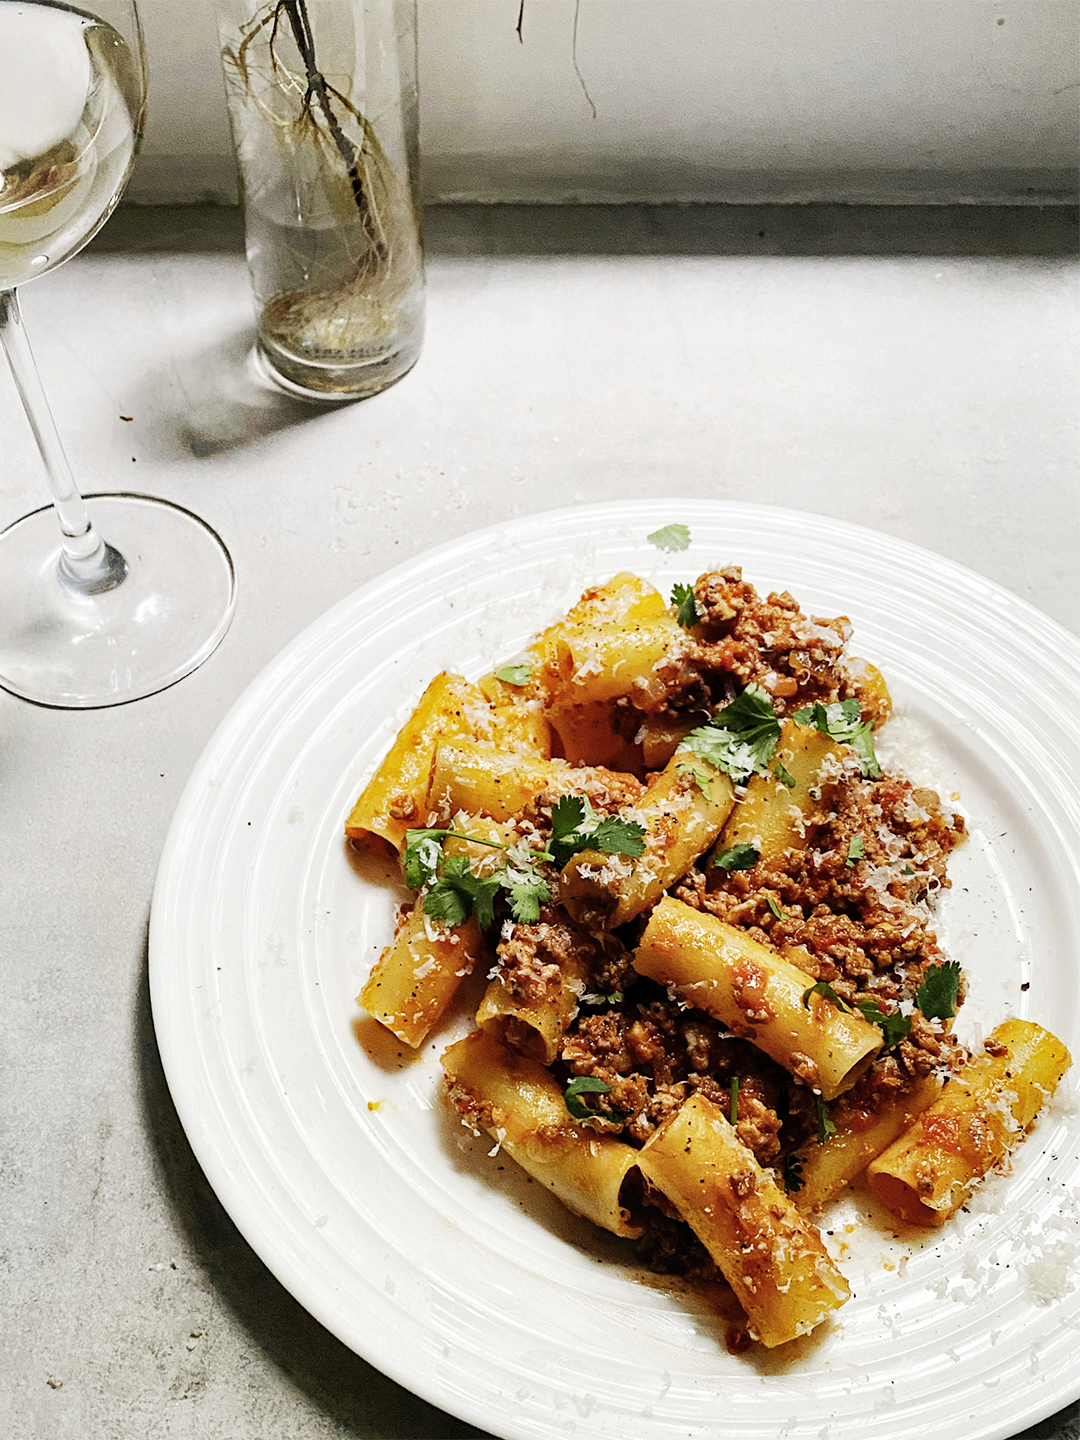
(461, 231)
(216, 401)
(362, 1403)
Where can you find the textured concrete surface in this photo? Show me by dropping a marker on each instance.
(914, 371)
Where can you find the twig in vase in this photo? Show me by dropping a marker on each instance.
(317, 87)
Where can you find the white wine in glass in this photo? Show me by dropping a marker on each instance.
(112, 597)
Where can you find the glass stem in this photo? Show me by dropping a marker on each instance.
(87, 563)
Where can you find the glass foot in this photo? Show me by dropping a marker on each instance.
(64, 647)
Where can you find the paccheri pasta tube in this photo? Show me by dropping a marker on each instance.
(418, 973)
(756, 993)
(928, 1173)
(774, 812)
(395, 798)
(519, 1104)
(534, 1017)
(483, 779)
(825, 1166)
(771, 1257)
(683, 810)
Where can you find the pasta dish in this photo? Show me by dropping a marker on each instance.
(705, 913)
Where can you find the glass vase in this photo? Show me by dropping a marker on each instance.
(323, 107)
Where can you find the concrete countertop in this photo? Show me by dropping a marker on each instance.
(911, 370)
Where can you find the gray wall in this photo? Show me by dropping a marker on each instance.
(886, 100)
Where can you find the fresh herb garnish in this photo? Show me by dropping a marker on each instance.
(825, 989)
(615, 836)
(515, 674)
(701, 780)
(671, 537)
(894, 1027)
(585, 1085)
(742, 856)
(825, 1126)
(450, 890)
(458, 893)
(740, 738)
(682, 596)
(792, 1173)
(784, 775)
(528, 891)
(423, 853)
(856, 850)
(843, 721)
(775, 908)
(576, 827)
(734, 1099)
(615, 998)
(936, 996)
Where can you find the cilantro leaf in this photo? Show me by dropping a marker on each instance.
(615, 836)
(615, 998)
(447, 902)
(584, 1085)
(527, 894)
(575, 827)
(936, 996)
(514, 674)
(423, 852)
(740, 738)
(566, 815)
(701, 780)
(483, 898)
(843, 721)
(671, 537)
(784, 775)
(740, 857)
(734, 1100)
(894, 1027)
(825, 1126)
(856, 850)
(682, 596)
(824, 988)
(775, 908)
(792, 1174)
(458, 893)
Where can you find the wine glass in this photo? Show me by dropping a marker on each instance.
(89, 616)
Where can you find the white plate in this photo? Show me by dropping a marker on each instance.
(460, 1279)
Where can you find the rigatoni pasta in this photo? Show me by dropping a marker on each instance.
(417, 974)
(682, 812)
(770, 1256)
(827, 1166)
(521, 1107)
(756, 993)
(714, 993)
(928, 1173)
(396, 796)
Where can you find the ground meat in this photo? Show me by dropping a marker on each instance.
(403, 807)
(742, 639)
(606, 790)
(653, 1055)
(531, 959)
(863, 927)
